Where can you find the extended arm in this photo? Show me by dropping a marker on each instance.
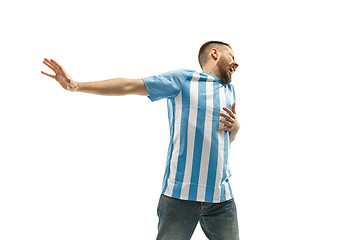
(114, 87)
(110, 87)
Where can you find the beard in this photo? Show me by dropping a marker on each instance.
(223, 68)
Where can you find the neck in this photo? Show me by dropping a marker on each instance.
(211, 70)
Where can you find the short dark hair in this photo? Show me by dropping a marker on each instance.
(206, 47)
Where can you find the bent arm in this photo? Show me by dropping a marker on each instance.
(114, 87)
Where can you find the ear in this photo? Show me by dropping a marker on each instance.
(215, 54)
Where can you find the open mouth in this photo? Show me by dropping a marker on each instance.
(231, 70)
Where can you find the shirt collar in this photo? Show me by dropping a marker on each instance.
(215, 78)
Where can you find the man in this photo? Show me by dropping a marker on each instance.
(203, 123)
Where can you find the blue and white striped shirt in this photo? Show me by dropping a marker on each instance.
(197, 166)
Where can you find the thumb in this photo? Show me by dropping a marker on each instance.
(233, 108)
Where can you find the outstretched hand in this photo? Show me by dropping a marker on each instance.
(230, 120)
(60, 75)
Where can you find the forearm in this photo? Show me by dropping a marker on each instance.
(114, 87)
(106, 87)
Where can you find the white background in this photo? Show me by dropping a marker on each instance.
(79, 166)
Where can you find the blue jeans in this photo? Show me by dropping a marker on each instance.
(178, 219)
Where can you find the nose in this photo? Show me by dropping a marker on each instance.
(235, 65)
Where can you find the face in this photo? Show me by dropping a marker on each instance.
(226, 65)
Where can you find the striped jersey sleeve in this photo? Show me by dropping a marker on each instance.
(166, 85)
